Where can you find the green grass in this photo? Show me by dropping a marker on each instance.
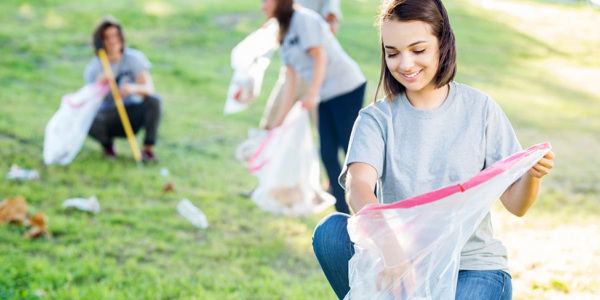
(138, 247)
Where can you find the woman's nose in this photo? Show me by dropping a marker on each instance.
(406, 63)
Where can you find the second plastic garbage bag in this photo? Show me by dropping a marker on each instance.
(425, 234)
(249, 59)
(67, 129)
(288, 169)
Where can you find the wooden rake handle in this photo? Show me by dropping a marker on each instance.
(120, 107)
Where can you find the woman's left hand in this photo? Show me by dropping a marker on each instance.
(544, 166)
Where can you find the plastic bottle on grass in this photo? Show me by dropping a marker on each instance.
(192, 213)
(90, 204)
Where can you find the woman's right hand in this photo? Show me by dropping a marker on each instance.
(398, 276)
(309, 101)
(101, 78)
(398, 280)
(398, 273)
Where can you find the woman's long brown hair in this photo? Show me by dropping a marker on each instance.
(284, 9)
(433, 13)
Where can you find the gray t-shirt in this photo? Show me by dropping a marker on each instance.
(323, 7)
(125, 71)
(416, 151)
(307, 30)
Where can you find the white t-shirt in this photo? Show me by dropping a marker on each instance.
(307, 30)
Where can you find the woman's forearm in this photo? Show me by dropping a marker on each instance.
(359, 195)
(319, 65)
(144, 84)
(360, 185)
(289, 93)
(519, 198)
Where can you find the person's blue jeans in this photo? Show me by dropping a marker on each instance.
(333, 248)
(488, 284)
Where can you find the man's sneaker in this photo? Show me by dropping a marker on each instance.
(148, 156)
(109, 152)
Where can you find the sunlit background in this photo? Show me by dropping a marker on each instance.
(539, 59)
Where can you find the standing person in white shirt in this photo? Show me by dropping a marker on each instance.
(331, 12)
(336, 86)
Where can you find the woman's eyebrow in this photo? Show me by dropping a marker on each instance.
(415, 43)
(394, 48)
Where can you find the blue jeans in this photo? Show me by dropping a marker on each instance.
(333, 248)
(489, 284)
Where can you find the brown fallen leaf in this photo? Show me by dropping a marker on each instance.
(169, 187)
(38, 224)
(13, 210)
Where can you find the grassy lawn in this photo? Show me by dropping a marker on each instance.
(138, 247)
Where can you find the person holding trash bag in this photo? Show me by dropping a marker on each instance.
(335, 83)
(331, 12)
(131, 70)
(428, 132)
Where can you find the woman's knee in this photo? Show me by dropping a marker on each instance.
(154, 101)
(331, 232)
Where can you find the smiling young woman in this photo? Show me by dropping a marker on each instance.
(427, 133)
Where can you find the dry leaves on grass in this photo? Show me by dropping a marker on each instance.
(14, 210)
(38, 226)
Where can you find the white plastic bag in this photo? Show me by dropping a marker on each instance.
(426, 233)
(249, 60)
(67, 129)
(246, 149)
(287, 167)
